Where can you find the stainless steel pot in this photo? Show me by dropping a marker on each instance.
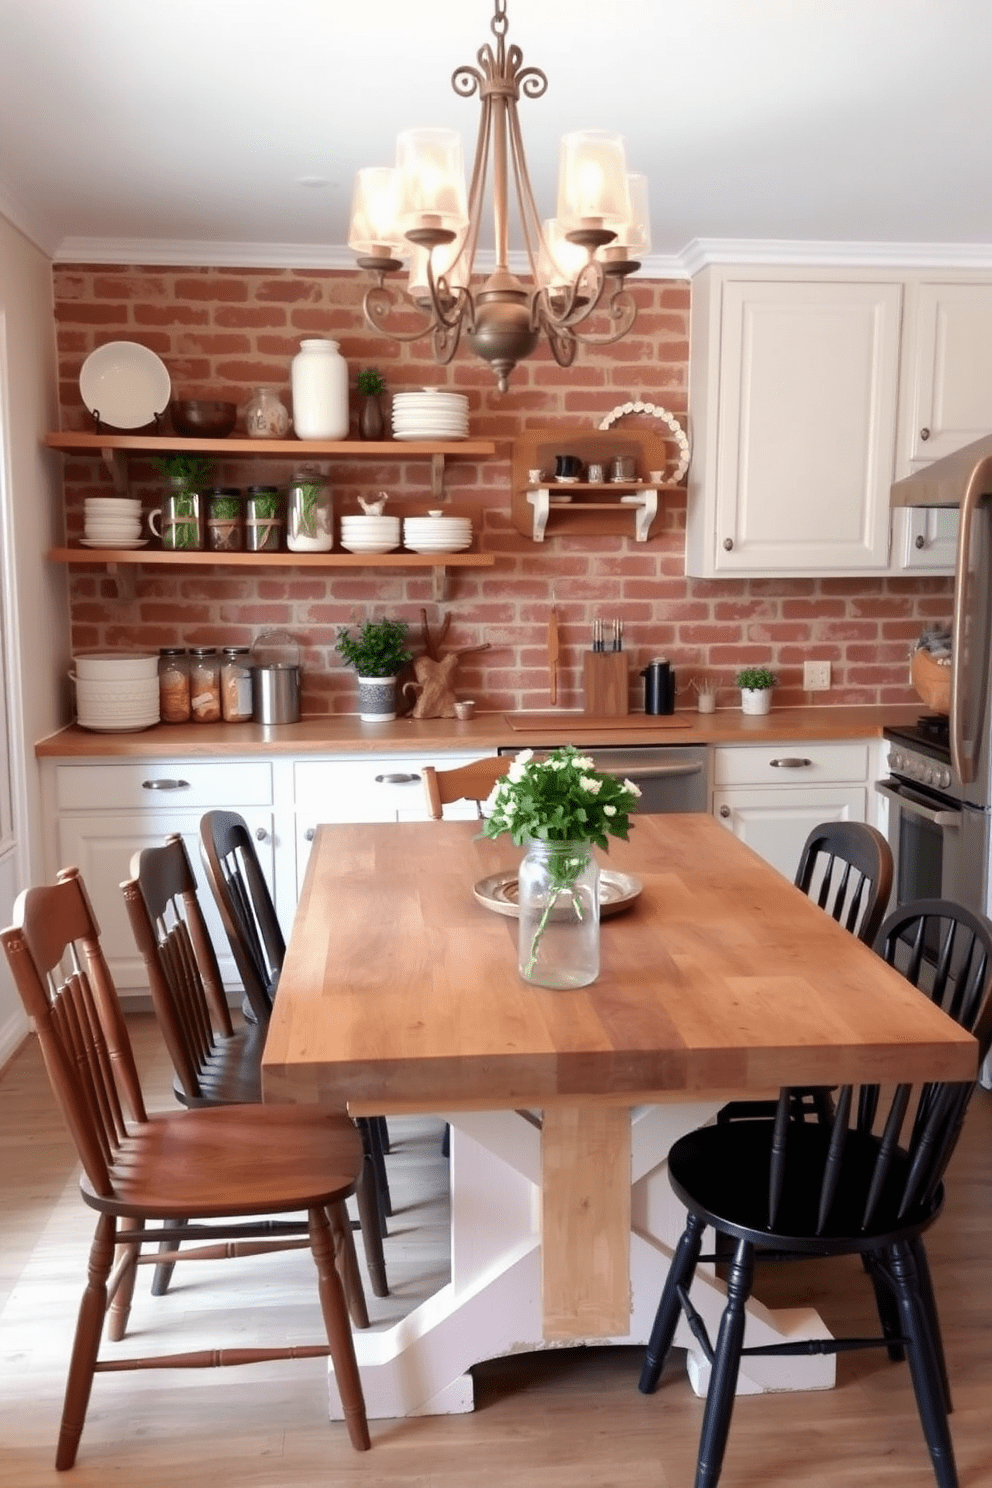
(276, 693)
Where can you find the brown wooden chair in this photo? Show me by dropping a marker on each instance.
(846, 867)
(472, 782)
(251, 925)
(139, 1170)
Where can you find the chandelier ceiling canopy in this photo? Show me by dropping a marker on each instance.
(419, 216)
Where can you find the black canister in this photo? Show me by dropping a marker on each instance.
(659, 687)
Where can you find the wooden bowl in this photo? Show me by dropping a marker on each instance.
(932, 681)
(203, 418)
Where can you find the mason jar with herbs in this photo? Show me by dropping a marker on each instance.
(173, 685)
(309, 514)
(204, 684)
(224, 519)
(263, 520)
(235, 685)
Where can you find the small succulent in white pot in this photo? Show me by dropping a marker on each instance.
(756, 685)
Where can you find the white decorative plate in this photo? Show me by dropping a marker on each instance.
(617, 891)
(125, 385)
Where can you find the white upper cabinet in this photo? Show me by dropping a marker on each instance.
(947, 371)
(793, 406)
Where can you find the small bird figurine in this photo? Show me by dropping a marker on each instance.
(374, 506)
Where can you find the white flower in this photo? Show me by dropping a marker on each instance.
(609, 811)
(584, 762)
(516, 770)
(589, 784)
(633, 789)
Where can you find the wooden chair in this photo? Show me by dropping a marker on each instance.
(472, 782)
(140, 1170)
(251, 925)
(868, 1183)
(846, 867)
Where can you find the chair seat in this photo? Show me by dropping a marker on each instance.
(721, 1173)
(211, 1162)
(232, 1074)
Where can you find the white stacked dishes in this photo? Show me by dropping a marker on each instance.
(437, 533)
(112, 522)
(116, 693)
(370, 534)
(430, 414)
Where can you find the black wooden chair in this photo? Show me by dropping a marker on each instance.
(251, 925)
(869, 1182)
(846, 868)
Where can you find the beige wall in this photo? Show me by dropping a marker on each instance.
(34, 605)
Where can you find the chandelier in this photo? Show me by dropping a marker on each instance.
(418, 215)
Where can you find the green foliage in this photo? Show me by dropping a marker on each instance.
(379, 649)
(561, 798)
(756, 679)
(193, 469)
(371, 382)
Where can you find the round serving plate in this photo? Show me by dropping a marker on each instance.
(125, 385)
(617, 891)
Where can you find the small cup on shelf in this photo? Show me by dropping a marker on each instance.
(535, 477)
(464, 709)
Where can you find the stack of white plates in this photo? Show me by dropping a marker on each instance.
(112, 522)
(370, 534)
(430, 414)
(116, 693)
(437, 533)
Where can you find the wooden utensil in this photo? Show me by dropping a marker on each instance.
(553, 654)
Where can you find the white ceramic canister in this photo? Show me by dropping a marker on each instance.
(319, 378)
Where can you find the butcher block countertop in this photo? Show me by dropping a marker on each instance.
(346, 734)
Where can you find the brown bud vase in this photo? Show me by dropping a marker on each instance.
(370, 420)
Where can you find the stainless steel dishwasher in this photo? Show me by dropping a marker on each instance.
(671, 777)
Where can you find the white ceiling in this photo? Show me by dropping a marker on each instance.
(214, 131)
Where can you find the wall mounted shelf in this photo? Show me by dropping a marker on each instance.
(544, 508)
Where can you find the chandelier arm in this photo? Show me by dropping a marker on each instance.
(449, 307)
(579, 299)
(621, 310)
(380, 302)
(444, 342)
(561, 341)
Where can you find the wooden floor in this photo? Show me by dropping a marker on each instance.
(569, 1418)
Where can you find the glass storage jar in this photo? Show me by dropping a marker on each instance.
(204, 684)
(263, 520)
(224, 519)
(180, 518)
(309, 514)
(235, 685)
(266, 417)
(558, 901)
(173, 685)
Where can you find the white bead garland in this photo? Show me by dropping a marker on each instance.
(669, 419)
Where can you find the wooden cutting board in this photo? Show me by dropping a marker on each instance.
(577, 723)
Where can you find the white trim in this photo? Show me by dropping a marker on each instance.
(704, 251)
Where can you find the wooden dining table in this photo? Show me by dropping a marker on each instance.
(400, 994)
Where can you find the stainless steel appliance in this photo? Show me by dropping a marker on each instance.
(671, 777)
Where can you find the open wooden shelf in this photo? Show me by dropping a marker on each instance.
(547, 508)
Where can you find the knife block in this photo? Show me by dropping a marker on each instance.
(604, 683)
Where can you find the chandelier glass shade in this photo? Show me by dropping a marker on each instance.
(418, 214)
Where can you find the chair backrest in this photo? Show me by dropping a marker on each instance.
(945, 951)
(186, 987)
(53, 950)
(246, 909)
(847, 868)
(472, 782)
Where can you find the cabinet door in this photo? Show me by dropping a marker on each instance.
(776, 822)
(924, 539)
(808, 386)
(101, 846)
(950, 377)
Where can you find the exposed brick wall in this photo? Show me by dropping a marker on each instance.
(223, 332)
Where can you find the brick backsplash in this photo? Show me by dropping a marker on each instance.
(223, 332)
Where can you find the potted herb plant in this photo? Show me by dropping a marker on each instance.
(377, 653)
(182, 511)
(756, 685)
(559, 807)
(371, 386)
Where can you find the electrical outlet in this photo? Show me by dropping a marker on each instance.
(816, 676)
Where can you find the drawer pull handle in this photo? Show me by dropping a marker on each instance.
(921, 541)
(165, 785)
(309, 834)
(260, 834)
(395, 779)
(790, 763)
(924, 434)
(724, 811)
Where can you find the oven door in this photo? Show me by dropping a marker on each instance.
(938, 846)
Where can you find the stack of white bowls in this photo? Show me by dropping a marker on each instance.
(437, 533)
(116, 692)
(370, 534)
(112, 522)
(430, 414)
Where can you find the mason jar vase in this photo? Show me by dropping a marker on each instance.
(558, 901)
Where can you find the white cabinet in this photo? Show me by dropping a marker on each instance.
(793, 407)
(387, 788)
(924, 539)
(947, 370)
(772, 796)
(102, 813)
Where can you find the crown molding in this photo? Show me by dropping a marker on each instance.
(191, 253)
(25, 222)
(702, 252)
